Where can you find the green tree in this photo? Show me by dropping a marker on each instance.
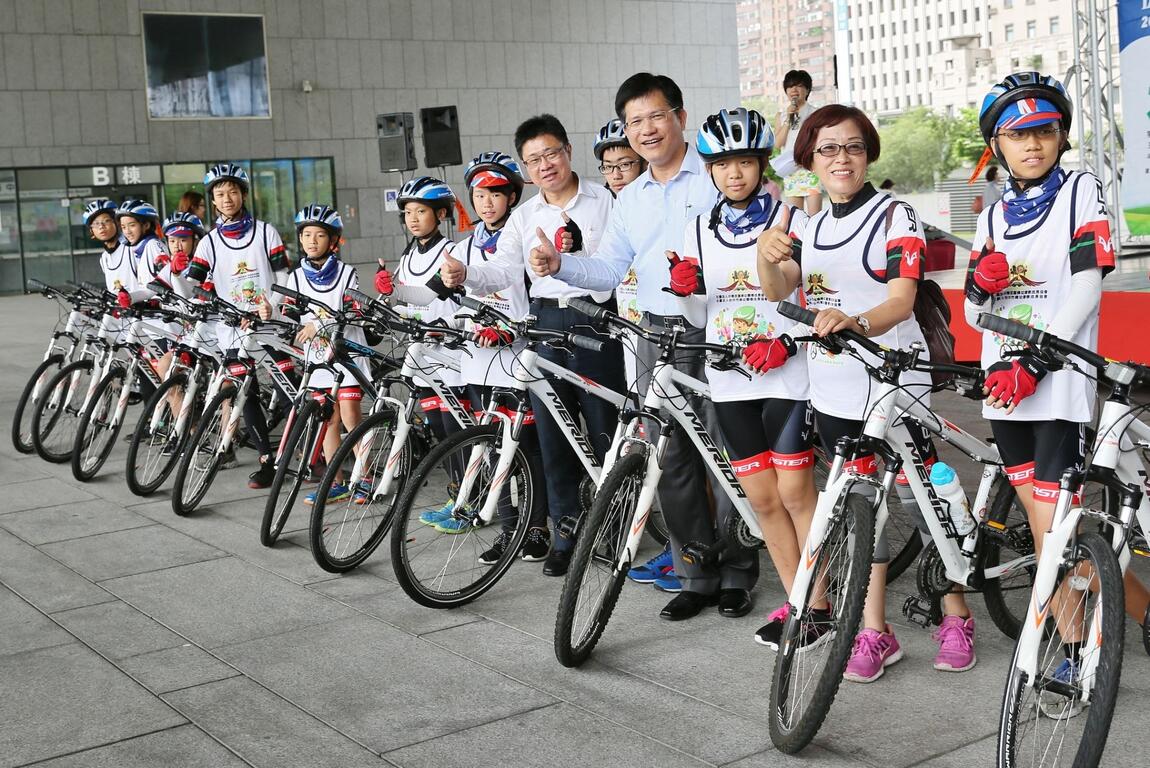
(966, 144)
(914, 150)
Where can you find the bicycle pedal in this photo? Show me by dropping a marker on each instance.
(698, 554)
(568, 526)
(921, 612)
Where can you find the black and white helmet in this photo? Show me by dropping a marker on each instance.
(610, 135)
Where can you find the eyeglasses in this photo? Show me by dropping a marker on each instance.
(623, 167)
(550, 155)
(657, 119)
(1021, 134)
(832, 150)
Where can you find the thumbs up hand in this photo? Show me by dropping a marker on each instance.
(453, 271)
(568, 238)
(684, 274)
(383, 282)
(775, 245)
(544, 258)
(990, 274)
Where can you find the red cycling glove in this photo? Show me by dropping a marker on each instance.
(123, 298)
(179, 262)
(495, 337)
(572, 229)
(764, 354)
(684, 276)
(1012, 382)
(990, 275)
(383, 282)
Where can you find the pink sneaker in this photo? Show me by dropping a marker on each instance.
(955, 637)
(872, 654)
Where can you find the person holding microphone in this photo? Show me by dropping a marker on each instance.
(800, 186)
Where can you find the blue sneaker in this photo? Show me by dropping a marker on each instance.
(337, 492)
(1056, 706)
(453, 525)
(434, 516)
(668, 582)
(651, 570)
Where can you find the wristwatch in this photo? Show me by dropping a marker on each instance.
(863, 323)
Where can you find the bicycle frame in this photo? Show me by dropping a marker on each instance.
(100, 345)
(253, 355)
(530, 372)
(198, 341)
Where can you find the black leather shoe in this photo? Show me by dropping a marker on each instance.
(557, 562)
(734, 603)
(686, 605)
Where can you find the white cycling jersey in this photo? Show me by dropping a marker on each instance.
(485, 366)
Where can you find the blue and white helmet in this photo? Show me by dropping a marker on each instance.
(1019, 86)
(183, 224)
(317, 215)
(494, 169)
(97, 206)
(141, 210)
(427, 190)
(226, 172)
(610, 135)
(731, 132)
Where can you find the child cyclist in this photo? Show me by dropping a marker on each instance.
(324, 279)
(117, 261)
(1045, 248)
(239, 261)
(495, 186)
(763, 410)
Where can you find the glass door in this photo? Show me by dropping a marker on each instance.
(11, 267)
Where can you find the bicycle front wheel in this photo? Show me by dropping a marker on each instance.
(1008, 596)
(26, 405)
(813, 649)
(1042, 722)
(442, 552)
(96, 433)
(57, 413)
(153, 453)
(594, 576)
(344, 533)
(292, 465)
(201, 458)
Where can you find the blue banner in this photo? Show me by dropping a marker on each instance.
(1134, 44)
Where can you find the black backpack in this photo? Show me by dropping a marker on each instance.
(932, 312)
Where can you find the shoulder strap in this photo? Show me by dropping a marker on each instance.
(699, 238)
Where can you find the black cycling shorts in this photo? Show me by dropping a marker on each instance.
(831, 428)
(767, 434)
(1039, 452)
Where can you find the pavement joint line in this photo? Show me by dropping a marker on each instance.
(148, 524)
(501, 718)
(964, 745)
(104, 745)
(183, 688)
(222, 556)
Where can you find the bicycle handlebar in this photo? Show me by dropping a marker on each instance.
(807, 317)
(1043, 341)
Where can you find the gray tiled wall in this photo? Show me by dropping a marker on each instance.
(72, 80)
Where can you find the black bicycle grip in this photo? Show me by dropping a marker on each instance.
(36, 285)
(589, 308)
(472, 303)
(91, 287)
(283, 290)
(796, 313)
(1011, 328)
(586, 342)
(358, 297)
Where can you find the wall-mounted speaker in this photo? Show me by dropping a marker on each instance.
(396, 131)
(441, 136)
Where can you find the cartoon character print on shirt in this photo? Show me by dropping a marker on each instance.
(1022, 287)
(243, 290)
(820, 295)
(627, 297)
(740, 321)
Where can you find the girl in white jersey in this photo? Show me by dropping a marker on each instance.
(763, 409)
(859, 269)
(325, 279)
(1045, 249)
(239, 261)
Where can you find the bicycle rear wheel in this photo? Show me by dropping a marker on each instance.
(594, 577)
(201, 457)
(152, 454)
(292, 466)
(1008, 596)
(813, 654)
(96, 433)
(29, 398)
(1042, 723)
(455, 561)
(57, 413)
(345, 533)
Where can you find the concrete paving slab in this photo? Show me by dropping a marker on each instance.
(123, 553)
(610, 693)
(42, 581)
(772, 758)
(63, 699)
(186, 746)
(70, 521)
(18, 467)
(265, 729)
(371, 682)
(25, 628)
(225, 601)
(117, 630)
(32, 494)
(555, 735)
(392, 606)
(171, 669)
